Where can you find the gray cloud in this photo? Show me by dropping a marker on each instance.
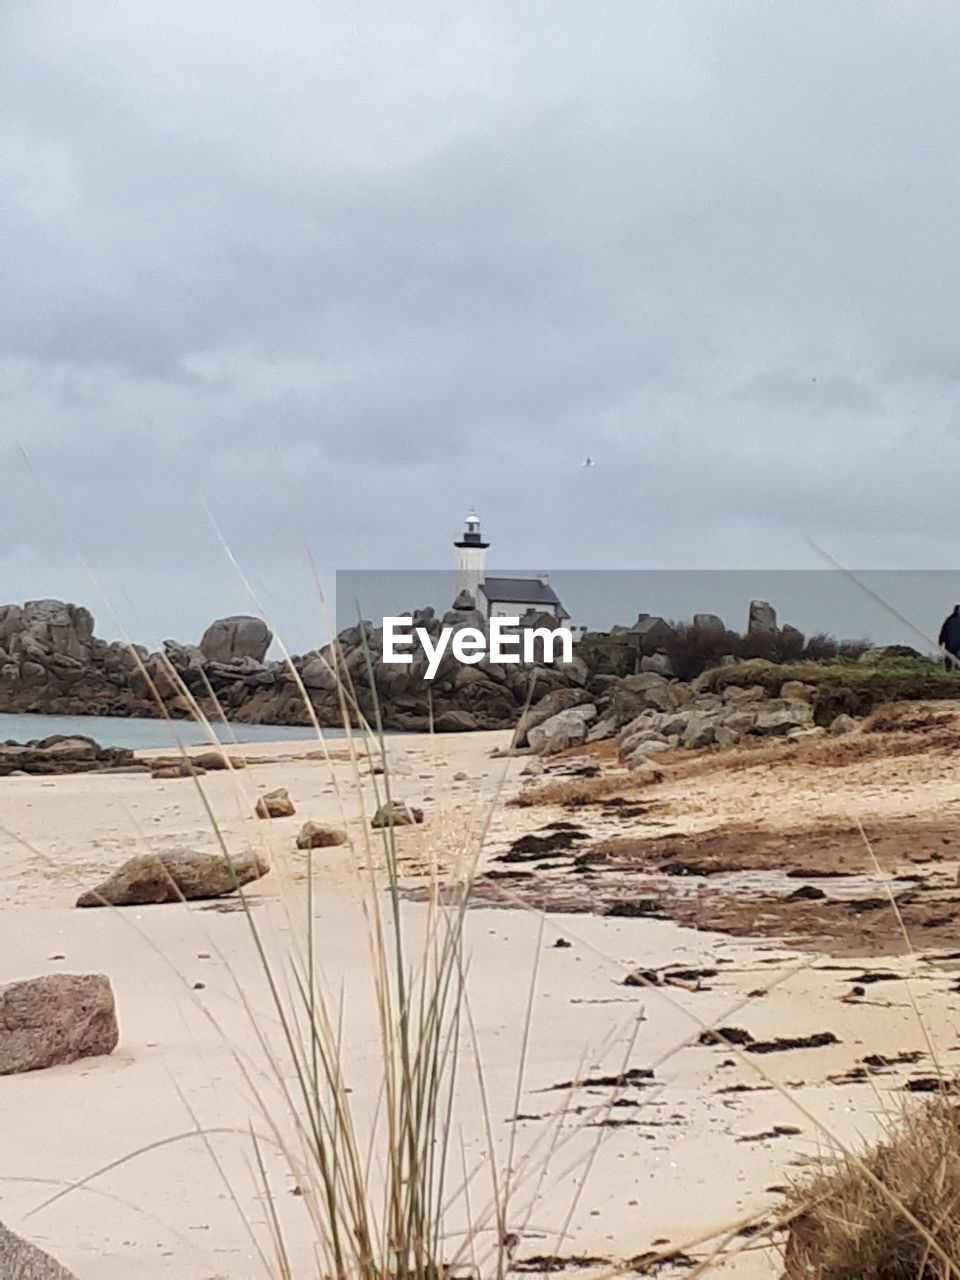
(340, 271)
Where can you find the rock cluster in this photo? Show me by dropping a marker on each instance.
(62, 754)
(460, 698)
(51, 662)
(649, 714)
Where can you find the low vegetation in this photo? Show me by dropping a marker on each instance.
(892, 1214)
(843, 686)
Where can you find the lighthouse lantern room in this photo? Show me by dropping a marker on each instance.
(471, 557)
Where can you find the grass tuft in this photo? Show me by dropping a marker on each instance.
(892, 1214)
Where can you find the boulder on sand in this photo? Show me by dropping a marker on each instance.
(54, 1019)
(275, 804)
(171, 877)
(212, 760)
(396, 814)
(316, 835)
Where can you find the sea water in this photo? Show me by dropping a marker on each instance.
(142, 734)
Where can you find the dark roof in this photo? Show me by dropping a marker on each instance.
(645, 625)
(530, 591)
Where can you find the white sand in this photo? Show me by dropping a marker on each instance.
(675, 1172)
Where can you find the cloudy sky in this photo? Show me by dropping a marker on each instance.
(328, 273)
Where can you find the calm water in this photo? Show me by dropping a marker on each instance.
(140, 735)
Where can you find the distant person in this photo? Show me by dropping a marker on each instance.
(949, 639)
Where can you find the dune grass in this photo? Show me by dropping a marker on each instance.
(891, 1214)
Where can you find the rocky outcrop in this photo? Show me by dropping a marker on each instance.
(648, 715)
(172, 877)
(61, 754)
(21, 1260)
(54, 1019)
(51, 662)
(737, 717)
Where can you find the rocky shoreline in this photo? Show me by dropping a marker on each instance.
(51, 662)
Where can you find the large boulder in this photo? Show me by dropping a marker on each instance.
(634, 694)
(779, 715)
(566, 729)
(21, 1260)
(658, 664)
(54, 1019)
(317, 670)
(552, 704)
(648, 734)
(761, 619)
(49, 627)
(700, 729)
(708, 624)
(171, 877)
(236, 637)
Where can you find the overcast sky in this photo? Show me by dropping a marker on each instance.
(338, 271)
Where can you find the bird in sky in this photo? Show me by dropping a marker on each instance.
(588, 462)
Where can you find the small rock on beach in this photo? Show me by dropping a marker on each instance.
(275, 804)
(317, 835)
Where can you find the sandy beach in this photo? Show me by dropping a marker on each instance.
(682, 1159)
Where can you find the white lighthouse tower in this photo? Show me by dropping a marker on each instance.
(471, 557)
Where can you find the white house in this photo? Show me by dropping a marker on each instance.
(502, 597)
